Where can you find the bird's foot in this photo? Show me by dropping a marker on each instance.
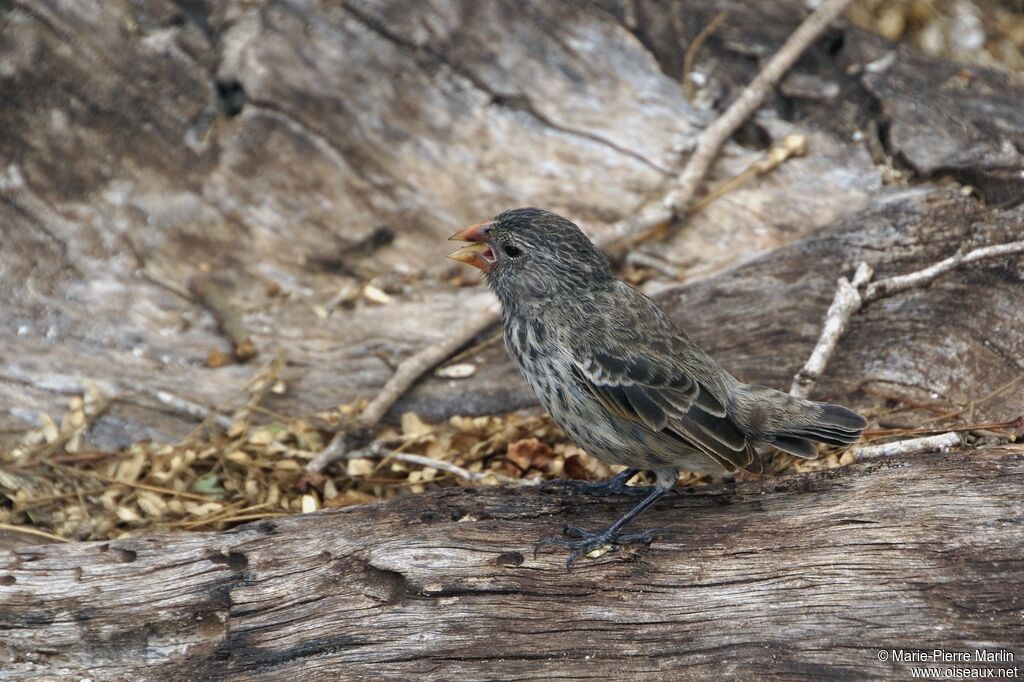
(587, 541)
(612, 486)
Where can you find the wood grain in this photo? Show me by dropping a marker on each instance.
(794, 578)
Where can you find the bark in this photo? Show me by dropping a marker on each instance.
(806, 576)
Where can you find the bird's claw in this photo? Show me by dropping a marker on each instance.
(587, 541)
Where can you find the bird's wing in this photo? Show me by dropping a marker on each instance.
(652, 381)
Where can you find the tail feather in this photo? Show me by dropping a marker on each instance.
(821, 422)
(791, 424)
(796, 446)
(840, 418)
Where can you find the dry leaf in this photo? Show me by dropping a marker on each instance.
(462, 370)
(216, 358)
(375, 295)
(529, 453)
(413, 426)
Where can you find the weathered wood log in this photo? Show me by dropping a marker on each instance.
(798, 577)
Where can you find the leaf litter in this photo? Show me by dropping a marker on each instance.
(256, 468)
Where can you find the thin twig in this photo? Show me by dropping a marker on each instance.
(487, 342)
(980, 401)
(893, 285)
(847, 301)
(456, 470)
(130, 484)
(378, 450)
(337, 448)
(984, 426)
(32, 531)
(694, 48)
(214, 298)
(227, 512)
(790, 146)
(655, 215)
(910, 446)
(189, 408)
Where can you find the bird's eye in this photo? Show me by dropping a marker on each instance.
(511, 250)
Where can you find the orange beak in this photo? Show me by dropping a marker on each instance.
(478, 253)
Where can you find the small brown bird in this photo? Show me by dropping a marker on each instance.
(620, 378)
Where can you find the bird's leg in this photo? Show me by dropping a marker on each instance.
(616, 485)
(587, 541)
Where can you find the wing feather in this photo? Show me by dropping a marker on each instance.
(667, 400)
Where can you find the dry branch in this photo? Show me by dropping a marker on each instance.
(851, 297)
(711, 139)
(412, 368)
(214, 298)
(846, 303)
(894, 285)
(910, 446)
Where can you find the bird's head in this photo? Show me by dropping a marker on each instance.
(530, 253)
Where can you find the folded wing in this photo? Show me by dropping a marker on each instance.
(649, 386)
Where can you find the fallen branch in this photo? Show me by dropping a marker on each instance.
(851, 297)
(189, 408)
(847, 302)
(911, 446)
(894, 285)
(654, 216)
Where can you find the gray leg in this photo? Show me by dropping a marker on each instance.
(588, 541)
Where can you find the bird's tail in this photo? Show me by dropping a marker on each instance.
(790, 423)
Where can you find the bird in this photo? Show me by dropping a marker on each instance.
(621, 378)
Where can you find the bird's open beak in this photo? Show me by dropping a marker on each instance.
(478, 253)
